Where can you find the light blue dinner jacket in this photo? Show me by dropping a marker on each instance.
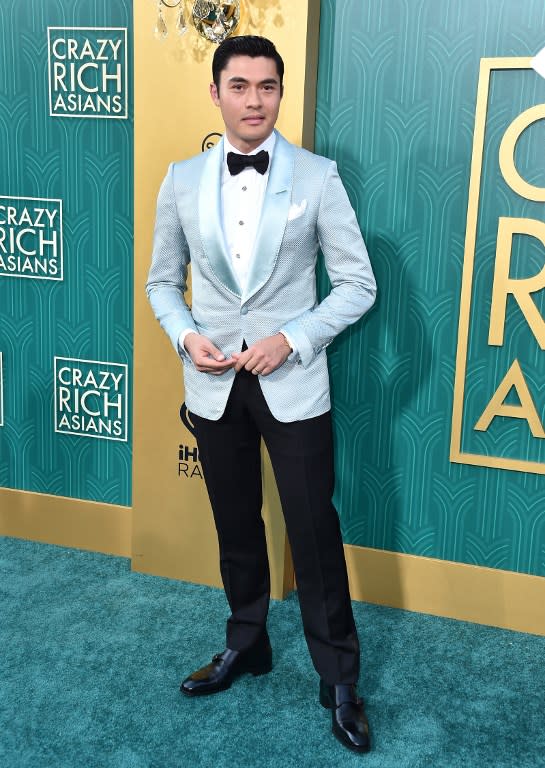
(305, 208)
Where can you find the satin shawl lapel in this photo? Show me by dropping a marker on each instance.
(210, 224)
(274, 216)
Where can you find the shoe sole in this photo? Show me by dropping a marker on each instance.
(200, 692)
(348, 744)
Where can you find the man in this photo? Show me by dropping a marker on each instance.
(250, 215)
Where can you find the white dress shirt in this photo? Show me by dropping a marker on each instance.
(241, 204)
(242, 200)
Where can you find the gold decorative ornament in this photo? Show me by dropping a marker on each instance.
(214, 20)
(161, 29)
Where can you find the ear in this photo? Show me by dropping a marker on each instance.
(214, 94)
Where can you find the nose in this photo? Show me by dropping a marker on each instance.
(253, 97)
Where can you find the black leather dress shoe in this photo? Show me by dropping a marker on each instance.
(350, 725)
(225, 667)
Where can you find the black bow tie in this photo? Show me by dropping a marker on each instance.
(237, 163)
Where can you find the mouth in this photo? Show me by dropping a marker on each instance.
(253, 119)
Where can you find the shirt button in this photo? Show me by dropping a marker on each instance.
(237, 255)
(244, 311)
(244, 189)
(241, 223)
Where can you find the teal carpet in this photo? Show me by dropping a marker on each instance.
(91, 656)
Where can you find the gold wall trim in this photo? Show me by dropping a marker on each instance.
(67, 522)
(456, 453)
(443, 588)
(469, 259)
(498, 462)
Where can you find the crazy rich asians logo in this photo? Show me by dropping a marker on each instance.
(499, 396)
(87, 72)
(31, 237)
(91, 398)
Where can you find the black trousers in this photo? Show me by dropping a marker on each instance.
(302, 459)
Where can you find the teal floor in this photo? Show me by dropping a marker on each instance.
(91, 656)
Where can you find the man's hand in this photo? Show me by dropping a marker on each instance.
(206, 357)
(264, 356)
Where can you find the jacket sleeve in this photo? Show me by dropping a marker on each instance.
(353, 286)
(167, 279)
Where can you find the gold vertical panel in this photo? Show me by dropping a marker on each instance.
(456, 453)
(173, 533)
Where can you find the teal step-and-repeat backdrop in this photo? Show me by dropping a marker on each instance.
(440, 430)
(66, 253)
(398, 111)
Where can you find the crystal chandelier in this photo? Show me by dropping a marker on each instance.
(214, 20)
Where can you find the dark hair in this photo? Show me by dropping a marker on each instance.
(245, 45)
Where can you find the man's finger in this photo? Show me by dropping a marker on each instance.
(255, 361)
(201, 349)
(241, 359)
(208, 364)
(213, 351)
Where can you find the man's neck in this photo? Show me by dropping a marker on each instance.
(247, 149)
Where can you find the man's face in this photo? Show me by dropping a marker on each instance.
(249, 99)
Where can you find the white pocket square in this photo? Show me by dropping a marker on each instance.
(297, 210)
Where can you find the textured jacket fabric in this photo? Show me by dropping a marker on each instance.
(305, 209)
